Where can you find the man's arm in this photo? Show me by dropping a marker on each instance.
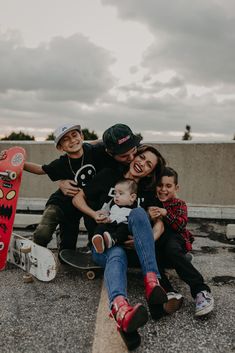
(79, 201)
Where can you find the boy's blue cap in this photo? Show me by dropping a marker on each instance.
(63, 129)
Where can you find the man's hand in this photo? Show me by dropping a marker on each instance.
(129, 244)
(101, 216)
(3, 154)
(69, 187)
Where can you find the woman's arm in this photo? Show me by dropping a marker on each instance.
(79, 201)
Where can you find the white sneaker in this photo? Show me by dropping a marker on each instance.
(174, 302)
(98, 243)
(204, 303)
(109, 242)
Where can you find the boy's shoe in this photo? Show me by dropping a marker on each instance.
(174, 302)
(129, 318)
(109, 242)
(98, 243)
(204, 303)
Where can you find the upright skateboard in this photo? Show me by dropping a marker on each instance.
(10, 178)
(32, 258)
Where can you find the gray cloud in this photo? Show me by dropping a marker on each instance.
(70, 68)
(193, 38)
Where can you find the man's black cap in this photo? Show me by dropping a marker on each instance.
(119, 139)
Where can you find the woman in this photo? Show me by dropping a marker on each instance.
(144, 169)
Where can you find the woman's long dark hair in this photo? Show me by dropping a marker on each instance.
(150, 181)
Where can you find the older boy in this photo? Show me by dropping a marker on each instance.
(176, 240)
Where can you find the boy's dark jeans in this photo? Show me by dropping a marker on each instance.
(170, 253)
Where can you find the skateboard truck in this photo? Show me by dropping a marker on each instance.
(9, 174)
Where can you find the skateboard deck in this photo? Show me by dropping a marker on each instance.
(32, 258)
(10, 178)
(80, 260)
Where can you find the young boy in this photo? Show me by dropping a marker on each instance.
(116, 232)
(176, 240)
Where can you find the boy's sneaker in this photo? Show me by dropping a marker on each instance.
(204, 303)
(174, 302)
(98, 243)
(109, 242)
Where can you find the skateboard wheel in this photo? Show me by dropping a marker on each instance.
(90, 275)
(12, 175)
(28, 278)
(25, 249)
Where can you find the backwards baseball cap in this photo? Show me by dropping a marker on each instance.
(63, 129)
(119, 139)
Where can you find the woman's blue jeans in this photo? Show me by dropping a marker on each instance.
(115, 262)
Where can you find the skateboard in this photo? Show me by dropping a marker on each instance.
(35, 259)
(80, 260)
(10, 178)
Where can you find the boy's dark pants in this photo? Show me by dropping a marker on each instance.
(170, 253)
(68, 219)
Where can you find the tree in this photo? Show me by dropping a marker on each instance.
(16, 136)
(187, 134)
(50, 137)
(89, 135)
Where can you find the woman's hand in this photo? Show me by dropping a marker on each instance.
(129, 244)
(69, 187)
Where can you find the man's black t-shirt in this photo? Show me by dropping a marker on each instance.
(100, 190)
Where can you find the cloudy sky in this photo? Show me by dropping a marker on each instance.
(152, 64)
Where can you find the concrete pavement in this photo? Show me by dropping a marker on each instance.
(70, 313)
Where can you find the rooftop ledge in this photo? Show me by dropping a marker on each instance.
(194, 211)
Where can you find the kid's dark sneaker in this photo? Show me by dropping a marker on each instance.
(204, 303)
(174, 302)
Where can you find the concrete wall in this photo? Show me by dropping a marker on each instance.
(206, 170)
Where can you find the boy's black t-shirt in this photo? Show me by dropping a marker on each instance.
(94, 159)
(100, 189)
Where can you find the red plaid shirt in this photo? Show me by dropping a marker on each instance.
(177, 218)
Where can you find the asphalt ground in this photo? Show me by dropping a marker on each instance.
(70, 314)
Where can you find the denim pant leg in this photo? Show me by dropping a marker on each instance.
(140, 228)
(114, 261)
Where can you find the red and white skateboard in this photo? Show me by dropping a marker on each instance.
(10, 179)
